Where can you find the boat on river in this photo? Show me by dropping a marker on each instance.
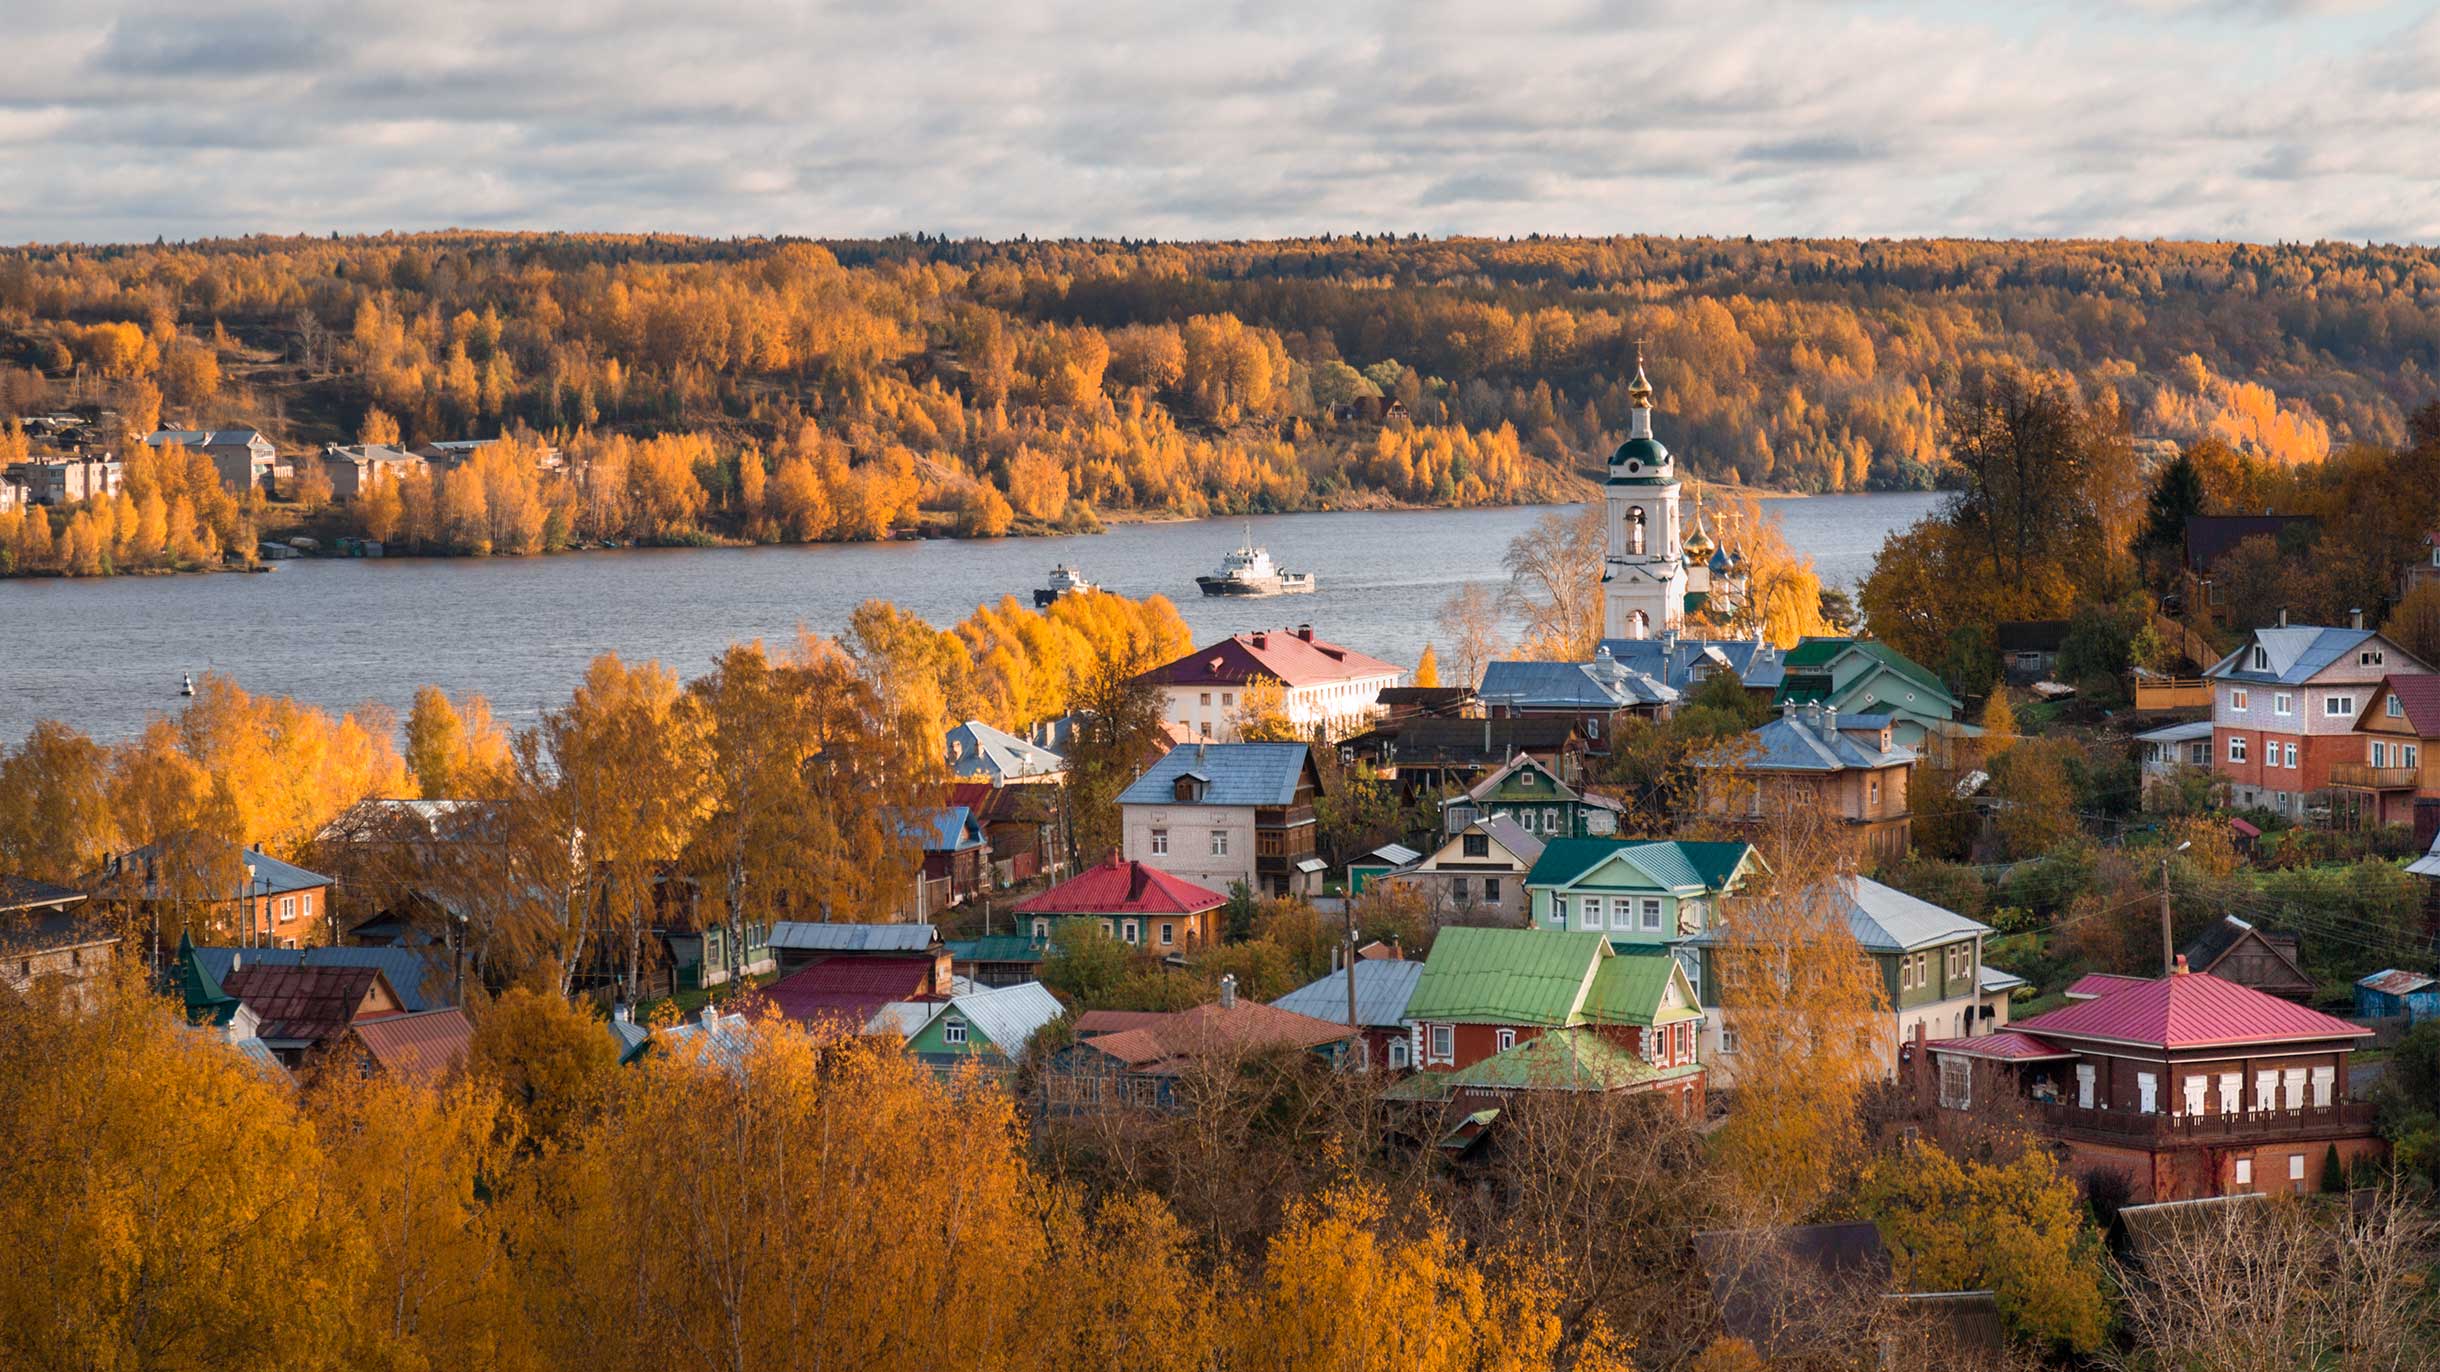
(1249, 571)
(1065, 581)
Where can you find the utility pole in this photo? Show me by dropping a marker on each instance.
(2168, 949)
(1348, 905)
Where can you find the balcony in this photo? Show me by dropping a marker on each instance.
(2172, 693)
(2136, 1129)
(2360, 776)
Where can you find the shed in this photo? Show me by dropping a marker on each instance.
(2393, 994)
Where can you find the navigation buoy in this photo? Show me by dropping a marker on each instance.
(186, 686)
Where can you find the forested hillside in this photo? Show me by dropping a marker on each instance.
(840, 390)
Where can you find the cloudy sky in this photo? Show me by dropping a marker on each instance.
(2260, 119)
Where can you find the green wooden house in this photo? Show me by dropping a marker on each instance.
(1863, 676)
(1529, 792)
(991, 1028)
(1637, 892)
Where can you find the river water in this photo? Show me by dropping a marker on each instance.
(106, 654)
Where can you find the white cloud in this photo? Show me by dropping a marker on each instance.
(187, 117)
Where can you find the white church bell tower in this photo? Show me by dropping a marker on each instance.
(1643, 580)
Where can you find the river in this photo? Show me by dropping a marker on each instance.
(106, 654)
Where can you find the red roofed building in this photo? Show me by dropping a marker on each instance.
(1323, 683)
(301, 1011)
(1138, 905)
(422, 1047)
(1137, 1057)
(2399, 734)
(853, 989)
(2188, 1084)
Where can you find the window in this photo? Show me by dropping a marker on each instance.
(1398, 1053)
(2291, 1084)
(2290, 759)
(2266, 1089)
(2397, 708)
(1444, 1041)
(2371, 657)
(1622, 913)
(1956, 1082)
(288, 909)
(1169, 935)
(1207, 699)
(2338, 706)
(2296, 1172)
(2245, 1172)
(1872, 791)
(1127, 931)
(2283, 704)
(953, 1031)
(1592, 728)
(1108, 930)
(2406, 754)
(1160, 843)
(2232, 1092)
(1906, 974)
(1728, 1039)
(1219, 843)
(1457, 889)
(2196, 1087)
(1476, 845)
(1042, 928)
(1652, 915)
(1550, 819)
(1228, 699)
(2236, 749)
(2380, 754)
(2147, 1093)
(2325, 1082)
(2262, 658)
(2236, 700)
(305, 905)
(1491, 890)
(2084, 1086)
(1504, 1039)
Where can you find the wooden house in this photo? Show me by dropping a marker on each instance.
(2235, 950)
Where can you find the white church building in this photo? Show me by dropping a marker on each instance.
(1654, 571)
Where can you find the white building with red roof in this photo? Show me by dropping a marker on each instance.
(2188, 1084)
(1323, 683)
(1136, 904)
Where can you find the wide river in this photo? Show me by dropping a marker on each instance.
(106, 654)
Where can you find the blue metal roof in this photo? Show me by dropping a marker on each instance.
(1673, 661)
(1383, 986)
(420, 977)
(1806, 742)
(1235, 773)
(2290, 656)
(1601, 684)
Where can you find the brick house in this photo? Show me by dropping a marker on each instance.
(2400, 763)
(43, 936)
(2189, 1085)
(225, 892)
(243, 456)
(2285, 705)
(1323, 684)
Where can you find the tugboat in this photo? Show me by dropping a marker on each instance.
(1065, 581)
(1249, 571)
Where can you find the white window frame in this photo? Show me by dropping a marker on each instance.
(2290, 750)
(953, 1031)
(2283, 704)
(288, 909)
(2085, 1081)
(2232, 1092)
(1728, 1038)
(2245, 1172)
(2396, 708)
(2240, 700)
(1398, 1053)
(1956, 1082)
(2408, 758)
(2266, 1089)
(1169, 934)
(2291, 1088)
(1219, 843)
(2338, 706)
(2325, 1087)
(1651, 914)
(2296, 1170)
(1503, 1039)
(2195, 1092)
(2147, 1093)
(2236, 747)
(1622, 914)
(1129, 932)
(1444, 1041)
(1160, 843)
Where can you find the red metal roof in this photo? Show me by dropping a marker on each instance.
(2419, 695)
(420, 1047)
(1157, 1042)
(2008, 1045)
(1120, 887)
(309, 1002)
(2093, 984)
(1295, 657)
(2193, 1010)
(851, 988)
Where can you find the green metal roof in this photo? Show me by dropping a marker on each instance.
(996, 948)
(1669, 864)
(1816, 655)
(1505, 976)
(1629, 987)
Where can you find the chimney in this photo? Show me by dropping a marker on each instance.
(2178, 969)
(1228, 991)
(711, 1014)
(1200, 755)
(1262, 640)
(622, 1013)
(1830, 718)
(1305, 632)
(2355, 619)
(2283, 616)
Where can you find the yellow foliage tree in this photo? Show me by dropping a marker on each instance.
(2018, 1230)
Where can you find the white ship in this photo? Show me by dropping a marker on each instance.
(1065, 580)
(1249, 571)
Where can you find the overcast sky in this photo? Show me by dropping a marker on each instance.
(2260, 119)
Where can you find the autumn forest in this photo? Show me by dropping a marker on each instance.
(799, 391)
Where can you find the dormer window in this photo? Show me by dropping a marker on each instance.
(2262, 659)
(1188, 788)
